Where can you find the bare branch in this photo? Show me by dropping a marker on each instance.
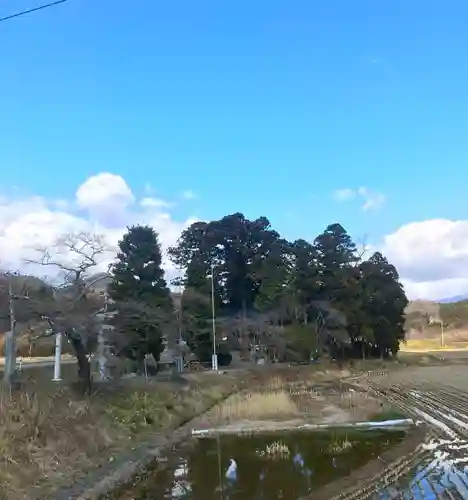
(74, 255)
(362, 249)
(71, 306)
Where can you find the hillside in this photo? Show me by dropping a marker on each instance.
(453, 315)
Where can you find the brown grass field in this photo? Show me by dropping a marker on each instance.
(431, 345)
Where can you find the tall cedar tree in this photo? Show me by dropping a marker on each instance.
(141, 298)
(323, 289)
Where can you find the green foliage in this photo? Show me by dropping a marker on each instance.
(310, 295)
(144, 312)
(301, 341)
(197, 317)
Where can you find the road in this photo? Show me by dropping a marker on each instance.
(28, 363)
(38, 359)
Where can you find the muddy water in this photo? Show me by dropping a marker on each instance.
(268, 466)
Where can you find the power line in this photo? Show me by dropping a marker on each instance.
(24, 12)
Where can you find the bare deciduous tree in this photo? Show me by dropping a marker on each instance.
(73, 308)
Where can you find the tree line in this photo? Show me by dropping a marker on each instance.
(272, 298)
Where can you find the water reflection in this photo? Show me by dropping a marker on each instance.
(266, 467)
(443, 471)
(180, 487)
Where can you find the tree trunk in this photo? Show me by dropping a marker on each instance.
(296, 313)
(84, 370)
(363, 350)
(140, 362)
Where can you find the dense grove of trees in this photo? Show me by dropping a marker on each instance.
(285, 299)
(272, 297)
(292, 298)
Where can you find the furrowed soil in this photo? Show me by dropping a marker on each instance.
(438, 396)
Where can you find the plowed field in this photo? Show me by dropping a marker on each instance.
(438, 468)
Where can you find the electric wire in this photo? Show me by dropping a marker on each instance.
(29, 11)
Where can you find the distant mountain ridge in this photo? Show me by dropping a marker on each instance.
(456, 298)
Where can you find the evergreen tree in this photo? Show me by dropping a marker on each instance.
(385, 303)
(336, 254)
(316, 295)
(305, 279)
(144, 311)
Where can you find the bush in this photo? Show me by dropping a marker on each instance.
(224, 358)
(301, 342)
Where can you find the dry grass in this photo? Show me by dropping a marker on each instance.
(49, 436)
(427, 345)
(255, 406)
(271, 397)
(40, 348)
(43, 436)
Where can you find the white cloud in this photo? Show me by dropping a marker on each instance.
(106, 205)
(103, 190)
(344, 194)
(152, 203)
(431, 257)
(188, 194)
(106, 198)
(371, 200)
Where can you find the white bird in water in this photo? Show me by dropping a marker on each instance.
(231, 473)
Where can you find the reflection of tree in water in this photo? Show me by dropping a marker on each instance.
(181, 487)
(204, 470)
(168, 482)
(268, 467)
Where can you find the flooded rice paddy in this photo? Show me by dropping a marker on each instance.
(289, 465)
(429, 462)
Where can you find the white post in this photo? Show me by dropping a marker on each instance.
(214, 357)
(58, 355)
(10, 340)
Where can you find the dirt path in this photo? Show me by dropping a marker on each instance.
(438, 469)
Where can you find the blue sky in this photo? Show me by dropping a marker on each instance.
(261, 107)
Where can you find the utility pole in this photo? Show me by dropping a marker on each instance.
(439, 320)
(102, 342)
(10, 340)
(179, 360)
(214, 358)
(172, 351)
